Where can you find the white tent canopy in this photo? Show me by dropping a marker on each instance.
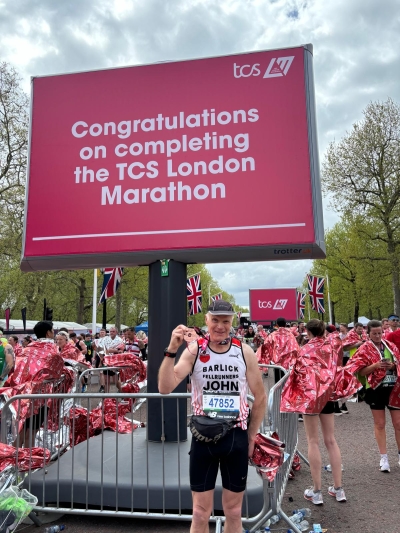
(362, 319)
(99, 325)
(18, 325)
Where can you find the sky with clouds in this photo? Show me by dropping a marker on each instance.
(356, 60)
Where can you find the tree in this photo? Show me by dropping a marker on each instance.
(362, 175)
(357, 286)
(14, 106)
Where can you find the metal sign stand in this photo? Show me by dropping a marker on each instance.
(167, 309)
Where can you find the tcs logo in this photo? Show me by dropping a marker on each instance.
(278, 305)
(245, 71)
(277, 67)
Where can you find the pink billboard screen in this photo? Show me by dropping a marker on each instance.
(269, 304)
(208, 160)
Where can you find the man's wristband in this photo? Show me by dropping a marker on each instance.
(169, 354)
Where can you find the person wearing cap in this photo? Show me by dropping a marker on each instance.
(222, 370)
(393, 325)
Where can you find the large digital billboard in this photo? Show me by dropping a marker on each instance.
(269, 304)
(206, 160)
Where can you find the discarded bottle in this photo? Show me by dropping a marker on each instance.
(328, 468)
(305, 511)
(304, 525)
(298, 517)
(274, 519)
(54, 529)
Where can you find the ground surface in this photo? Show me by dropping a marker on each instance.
(373, 497)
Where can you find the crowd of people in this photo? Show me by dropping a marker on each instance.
(329, 364)
(46, 355)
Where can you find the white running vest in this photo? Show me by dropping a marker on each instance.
(221, 373)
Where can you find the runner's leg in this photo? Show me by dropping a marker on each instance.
(314, 455)
(379, 428)
(232, 506)
(395, 414)
(202, 507)
(328, 432)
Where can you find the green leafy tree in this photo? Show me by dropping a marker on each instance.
(362, 174)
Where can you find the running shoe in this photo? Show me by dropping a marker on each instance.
(300, 418)
(384, 465)
(314, 497)
(328, 468)
(84, 388)
(338, 494)
(344, 410)
(337, 411)
(101, 389)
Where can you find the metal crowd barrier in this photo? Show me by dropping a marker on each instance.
(116, 474)
(286, 427)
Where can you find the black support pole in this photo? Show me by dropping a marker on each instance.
(167, 309)
(104, 323)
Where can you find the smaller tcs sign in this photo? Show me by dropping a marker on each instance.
(270, 304)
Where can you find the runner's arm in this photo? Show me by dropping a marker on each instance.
(385, 363)
(84, 347)
(260, 398)
(9, 362)
(171, 374)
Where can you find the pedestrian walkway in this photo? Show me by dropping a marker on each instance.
(372, 496)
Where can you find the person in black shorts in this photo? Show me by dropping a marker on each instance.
(380, 385)
(316, 330)
(231, 452)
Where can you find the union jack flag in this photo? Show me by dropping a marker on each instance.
(111, 280)
(316, 292)
(301, 304)
(194, 294)
(216, 297)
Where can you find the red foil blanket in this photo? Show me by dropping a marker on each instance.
(267, 456)
(106, 416)
(312, 379)
(71, 352)
(367, 355)
(26, 458)
(126, 359)
(40, 362)
(279, 348)
(353, 338)
(337, 344)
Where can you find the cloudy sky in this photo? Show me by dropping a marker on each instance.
(356, 60)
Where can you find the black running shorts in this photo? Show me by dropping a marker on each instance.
(328, 409)
(230, 454)
(378, 398)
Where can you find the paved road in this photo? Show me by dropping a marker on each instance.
(373, 497)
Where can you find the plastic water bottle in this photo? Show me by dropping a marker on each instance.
(275, 519)
(54, 529)
(298, 517)
(305, 511)
(304, 525)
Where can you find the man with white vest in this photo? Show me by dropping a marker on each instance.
(222, 370)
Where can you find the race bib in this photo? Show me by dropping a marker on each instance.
(389, 379)
(217, 405)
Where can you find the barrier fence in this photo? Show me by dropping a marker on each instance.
(121, 473)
